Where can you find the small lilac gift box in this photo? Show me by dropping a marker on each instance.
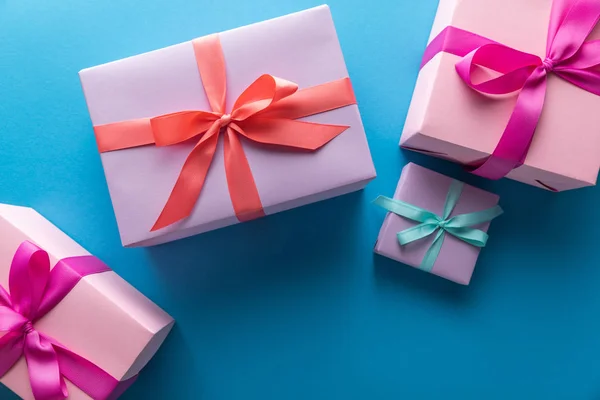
(130, 99)
(431, 192)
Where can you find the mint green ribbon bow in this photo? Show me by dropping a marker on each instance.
(458, 226)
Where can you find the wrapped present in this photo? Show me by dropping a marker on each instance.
(436, 223)
(227, 128)
(69, 326)
(511, 88)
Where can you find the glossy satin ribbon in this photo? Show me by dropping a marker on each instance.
(568, 56)
(430, 223)
(266, 113)
(34, 291)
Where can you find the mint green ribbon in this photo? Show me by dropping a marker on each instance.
(458, 226)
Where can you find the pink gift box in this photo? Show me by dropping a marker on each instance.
(427, 189)
(302, 48)
(449, 120)
(103, 319)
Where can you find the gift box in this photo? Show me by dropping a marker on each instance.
(227, 128)
(436, 224)
(69, 327)
(550, 143)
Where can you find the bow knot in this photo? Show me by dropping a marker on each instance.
(459, 226)
(442, 223)
(27, 328)
(548, 64)
(224, 120)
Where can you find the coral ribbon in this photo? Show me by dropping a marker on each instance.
(266, 113)
(568, 56)
(458, 226)
(34, 291)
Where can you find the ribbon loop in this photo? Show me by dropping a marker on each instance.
(459, 226)
(577, 20)
(31, 265)
(260, 95)
(474, 237)
(515, 68)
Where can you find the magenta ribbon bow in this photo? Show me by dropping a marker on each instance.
(34, 291)
(568, 56)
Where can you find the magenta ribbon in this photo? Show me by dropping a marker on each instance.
(34, 291)
(568, 55)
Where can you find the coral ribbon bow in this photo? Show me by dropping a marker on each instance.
(568, 56)
(34, 291)
(266, 113)
(459, 226)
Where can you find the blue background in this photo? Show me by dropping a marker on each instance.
(295, 305)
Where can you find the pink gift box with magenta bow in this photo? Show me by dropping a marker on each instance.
(70, 326)
(536, 49)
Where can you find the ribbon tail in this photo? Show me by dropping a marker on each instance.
(415, 233)
(433, 252)
(91, 379)
(240, 181)
(518, 135)
(290, 133)
(11, 350)
(191, 179)
(46, 380)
